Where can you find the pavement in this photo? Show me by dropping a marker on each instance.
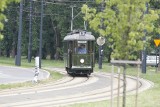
(18, 74)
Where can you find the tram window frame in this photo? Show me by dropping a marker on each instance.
(90, 46)
(70, 46)
(75, 47)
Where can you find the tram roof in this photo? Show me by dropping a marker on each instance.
(83, 35)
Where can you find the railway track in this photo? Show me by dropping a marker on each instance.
(69, 90)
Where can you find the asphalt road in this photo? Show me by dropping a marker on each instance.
(69, 90)
(19, 74)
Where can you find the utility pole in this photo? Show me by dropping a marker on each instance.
(100, 47)
(30, 34)
(18, 56)
(144, 48)
(72, 18)
(41, 31)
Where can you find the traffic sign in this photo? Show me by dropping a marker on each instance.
(157, 42)
(100, 41)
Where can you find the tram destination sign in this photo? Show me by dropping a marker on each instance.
(82, 41)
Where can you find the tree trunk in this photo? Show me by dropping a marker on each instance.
(159, 62)
(8, 52)
(57, 40)
(124, 86)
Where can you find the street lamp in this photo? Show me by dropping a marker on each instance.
(18, 56)
(41, 31)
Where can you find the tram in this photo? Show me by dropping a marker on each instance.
(79, 49)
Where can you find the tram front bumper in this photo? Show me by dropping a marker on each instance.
(81, 67)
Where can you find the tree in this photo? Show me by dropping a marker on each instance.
(3, 6)
(126, 24)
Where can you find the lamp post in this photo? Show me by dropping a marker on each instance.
(144, 49)
(30, 34)
(41, 31)
(18, 56)
(100, 45)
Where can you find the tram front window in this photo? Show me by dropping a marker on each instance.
(82, 49)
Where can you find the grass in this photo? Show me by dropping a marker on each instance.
(24, 62)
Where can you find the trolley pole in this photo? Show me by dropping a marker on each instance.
(30, 34)
(18, 56)
(41, 31)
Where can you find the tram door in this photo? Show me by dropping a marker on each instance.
(70, 52)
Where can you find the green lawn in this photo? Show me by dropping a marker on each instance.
(24, 62)
(149, 98)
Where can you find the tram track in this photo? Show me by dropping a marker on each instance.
(82, 95)
(43, 88)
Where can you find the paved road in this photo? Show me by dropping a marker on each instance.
(18, 74)
(68, 90)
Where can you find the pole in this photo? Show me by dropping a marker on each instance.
(100, 57)
(144, 60)
(85, 25)
(112, 75)
(72, 18)
(18, 56)
(118, 86)
(144, 49)
(137, 86)
(124, 86)
(100, 47)
(30, 34)
(41, 31)
(156, 59)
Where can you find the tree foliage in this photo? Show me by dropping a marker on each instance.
(126, 24)
(3, 6)
(56, 25)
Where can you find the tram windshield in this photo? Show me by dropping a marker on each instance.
(82, 47)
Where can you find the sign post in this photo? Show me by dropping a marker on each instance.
(36, 69)
(157, 43)
(100, 42)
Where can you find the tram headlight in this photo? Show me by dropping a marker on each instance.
(82, 61)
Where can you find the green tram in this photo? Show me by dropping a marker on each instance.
(79, 52)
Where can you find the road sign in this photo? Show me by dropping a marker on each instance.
(101, 41)
(157, 42)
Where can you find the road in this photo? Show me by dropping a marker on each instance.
(19, 74)
(69, 90)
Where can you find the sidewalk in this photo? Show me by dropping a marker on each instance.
(18, 74)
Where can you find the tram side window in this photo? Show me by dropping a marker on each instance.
(70, 44)
(90, 46)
